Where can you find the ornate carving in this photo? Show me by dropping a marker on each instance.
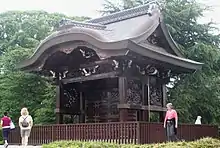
(114, 100)
(122, 64)
(155, 96)
(91, 68)
(53, 74)
(88, 71)
(93, 103)
(165, 74)
(98, 67)
(147, 70)
(74, 73)
(153, 39)
(67, 50)
(70, 99)
(115, 64)
(104, 107)
(134, 92)
(87, 53)
(64, 74)
(155, 92)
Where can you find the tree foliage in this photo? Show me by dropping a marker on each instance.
(193, 94)
(20, 33)
(198, 93)
(110, 6)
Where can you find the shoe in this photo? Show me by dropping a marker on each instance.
(6, 145)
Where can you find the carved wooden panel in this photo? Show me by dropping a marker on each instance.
(105, 109)
(104, 106)
(134, 92)
(113, 97)
(156, 96)
(153, 39)
(93, 103)
(91, 69)
(70, 101)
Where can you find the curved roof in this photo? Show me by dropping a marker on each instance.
(114, 35)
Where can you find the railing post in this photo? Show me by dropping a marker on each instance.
(52, 133)
(138, 133)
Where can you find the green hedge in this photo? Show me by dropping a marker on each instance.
(1, 137)
(202, 143)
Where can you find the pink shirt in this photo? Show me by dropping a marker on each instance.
(170, 115)
(6, 122)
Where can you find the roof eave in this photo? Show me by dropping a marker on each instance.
(169, 38)
(166, 57)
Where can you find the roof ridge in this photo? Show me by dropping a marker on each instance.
(125, 14)
(68, 23)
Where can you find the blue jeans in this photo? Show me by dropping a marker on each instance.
(5, 132)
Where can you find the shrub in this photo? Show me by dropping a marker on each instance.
(1, 137)
(202, 143)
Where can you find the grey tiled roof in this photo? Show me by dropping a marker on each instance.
(122, 25)
(66, 23)
(126, 14)
(99, 23)
(120, 31)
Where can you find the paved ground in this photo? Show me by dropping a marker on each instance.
(16, 146)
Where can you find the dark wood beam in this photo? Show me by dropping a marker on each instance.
(141, 107)
(59, 95)
(82, 108)
(164, 99)
(148, 98)
(113, 74)
(122, 90)
(164, 89)
(122, 87)
(102, 62)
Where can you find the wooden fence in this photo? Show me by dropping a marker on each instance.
(126, 132)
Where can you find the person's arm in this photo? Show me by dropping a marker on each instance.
(176, 118)
(31, 121)
(1, 123)
(19, 122)
(165, 119)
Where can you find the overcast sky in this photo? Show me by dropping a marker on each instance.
(85, 7)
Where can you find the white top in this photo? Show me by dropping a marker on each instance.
(198, 120)
(28, 119)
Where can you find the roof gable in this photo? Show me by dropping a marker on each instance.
(126, 14)
(139, 24)
(139, 30)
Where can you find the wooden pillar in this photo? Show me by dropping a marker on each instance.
(123, 112)
(145, 94)
(82, 107)
(164, 89)
(59, 95)
(164, 99)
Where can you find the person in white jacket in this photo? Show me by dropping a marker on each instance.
(25, 124)
(198, 120)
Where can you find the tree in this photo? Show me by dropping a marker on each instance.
(197, 93)
(20, 33)
(110, 7)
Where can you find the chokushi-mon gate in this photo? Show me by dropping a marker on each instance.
(111, 73)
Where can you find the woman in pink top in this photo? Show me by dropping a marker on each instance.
(171, 122)
(5, 123)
